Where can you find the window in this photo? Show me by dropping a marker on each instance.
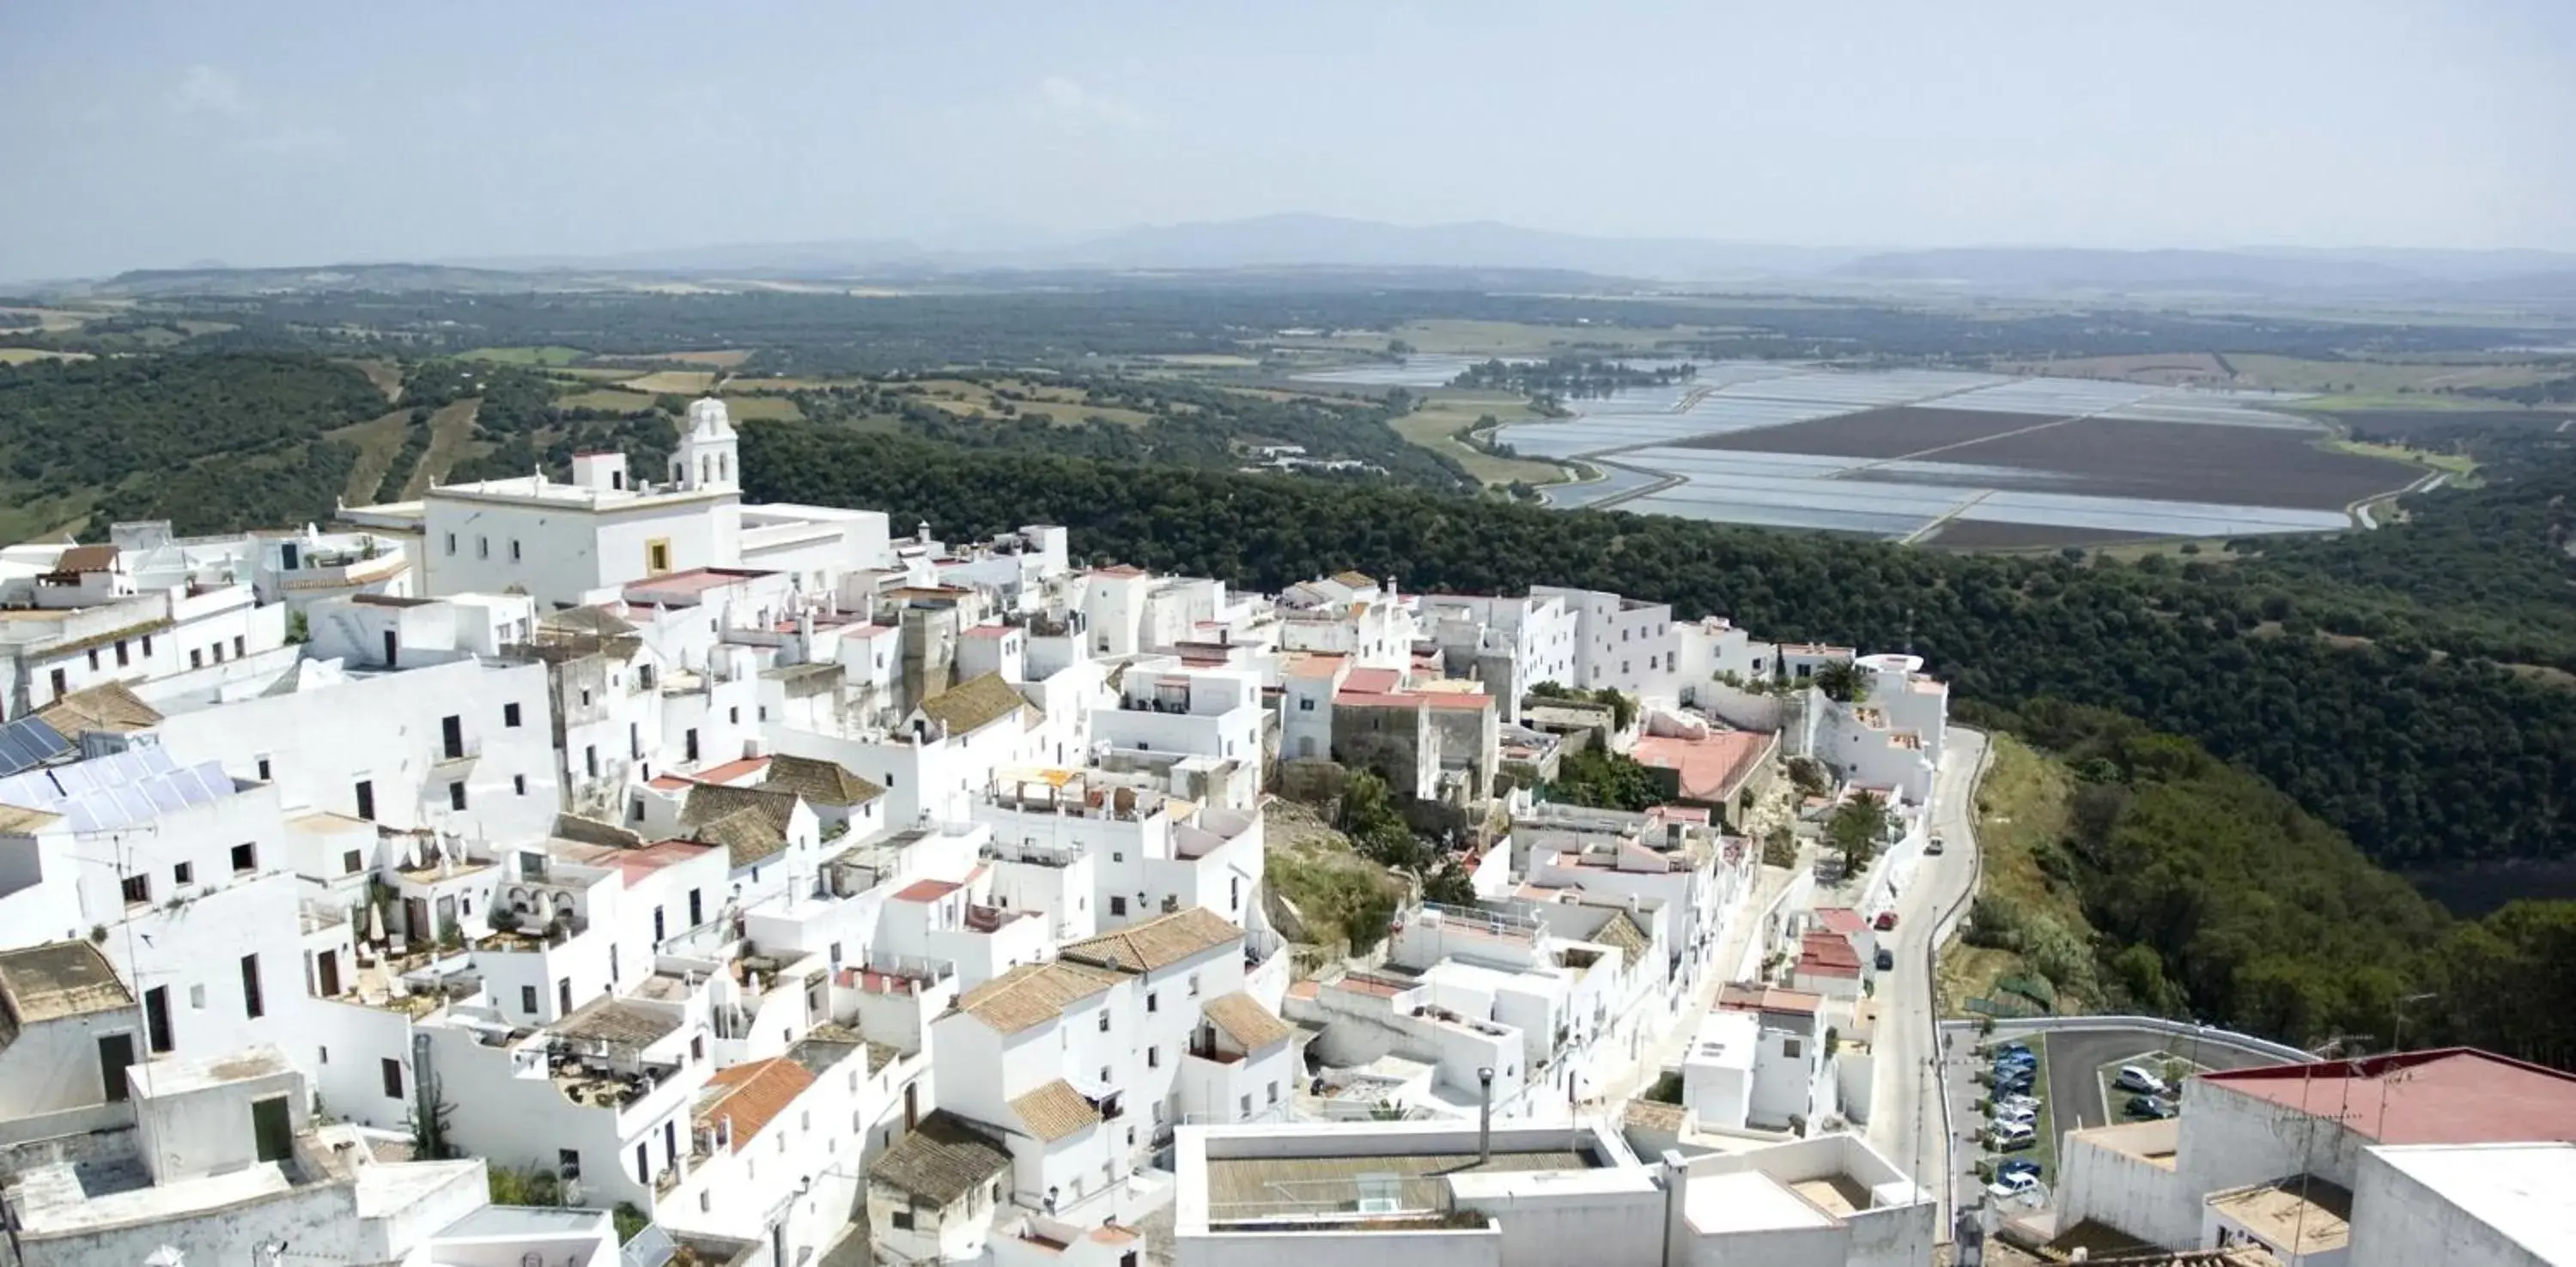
(763, 714)
(245, 858)
(1306, 703)
(62, 685)
(1104, 1075)
(1789, 1047)
(123, 658)
(510, 715)
(1153, 1003)
(350, 862)
(1274, 1091)
(657, 555)
(568, 1162)
(707, 1203)
(392, 1071)
(1153, 1057)
(1246, 1101)
(1194, 985)
(451, 543)
(514, 549)
(325, 1055)
(138, 890)
(93, 659)
(456, 795)
(1104, 1027)
(240, 648)
(184, 873)
(196, 657)
(689, 744)
(519, 784)
(696, 916)
(733, 715)
(1117, 905)
(263, 769)
(590, 759)
(252, 1004)
(482, 547)
(903, 1217)
(197, 997)
(366, 799)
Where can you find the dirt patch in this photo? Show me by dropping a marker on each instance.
(378, 441)
(449, 429)
(1873, 433)
(682, 382)
(723, 359)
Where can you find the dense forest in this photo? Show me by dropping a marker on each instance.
(1176, 423)
(2215, 897)
(2419, 757)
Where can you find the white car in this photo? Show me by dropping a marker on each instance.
(2013, 1186)
(2015, 1115)
(2017, 1101)
(2136, 1078)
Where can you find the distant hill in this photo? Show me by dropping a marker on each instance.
(147, 283)
(2401, 273)
(1310, 239)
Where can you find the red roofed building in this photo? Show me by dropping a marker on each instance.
(1827, 965)
(2258, 1150)
(1714, 771)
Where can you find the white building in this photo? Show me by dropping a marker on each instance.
(2282, 1156)
(2473, 1205)
(73, 617)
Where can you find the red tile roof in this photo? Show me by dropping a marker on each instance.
(732, 770)
(1840, 919)
(1827, 955)
(926, 890)
(635, 864)
(1373, 681)
(2454, 1095)
(1713, 767)
(1458, 699)
(752, 1094)
(1755, 998)
(668, 782)
(988, 631)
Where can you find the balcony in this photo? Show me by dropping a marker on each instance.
(455, 756)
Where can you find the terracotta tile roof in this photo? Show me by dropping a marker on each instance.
(1827, 955)
(926, 890)
(1755, 998)
(1623, 933)
(976, 703)
(1712, 768)
(820, 782)
(1314, 665)
(752, 1095)
(1373, 681)
(1031, 993)
(750, 822)
(1840, 919)
(1655, 1115)
(1157, 943)
(86, 559)
(55, 980)
(941, 1160)
(2454, 1095)
(731, 771)
(1054, 1111)
(1242, 1019)
(110, 708)
(614, 1020)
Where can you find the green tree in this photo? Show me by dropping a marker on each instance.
(1857, 827)
(1841, 681)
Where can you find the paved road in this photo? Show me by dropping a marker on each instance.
(2075, 1061)
(1905, 1117)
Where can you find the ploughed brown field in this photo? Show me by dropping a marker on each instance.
(2101, 457)
(1873, 433)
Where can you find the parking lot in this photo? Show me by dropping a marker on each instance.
(2072, 1080)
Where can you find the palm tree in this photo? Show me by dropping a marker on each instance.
(1841, 681)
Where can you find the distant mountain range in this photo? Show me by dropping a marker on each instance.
(1493, 253)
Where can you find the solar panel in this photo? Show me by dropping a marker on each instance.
(117, 790)
(29, 742)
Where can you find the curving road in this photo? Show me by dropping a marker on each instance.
(1905, 1120)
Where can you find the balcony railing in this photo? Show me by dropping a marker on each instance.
(462, 752)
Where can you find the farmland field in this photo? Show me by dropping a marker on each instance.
(1967, 460)
(682, 382)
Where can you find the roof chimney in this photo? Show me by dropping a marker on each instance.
(1485, 1115)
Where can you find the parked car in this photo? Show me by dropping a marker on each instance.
(1886, 921)
(1935, 847)
(2011, 1139)
(2136, 1078)
(2017, 1101)
(2013, 1186)
(2023, 1058)
(2011, 1082)
(2012, 1111)
(1886, 959)
(2012, 1049)
(2148, 1106)
(2017, 1166)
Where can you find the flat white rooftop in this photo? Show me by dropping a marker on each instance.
(1747, 1201)
(2520, 1190)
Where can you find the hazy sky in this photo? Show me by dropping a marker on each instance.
(145, 135)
